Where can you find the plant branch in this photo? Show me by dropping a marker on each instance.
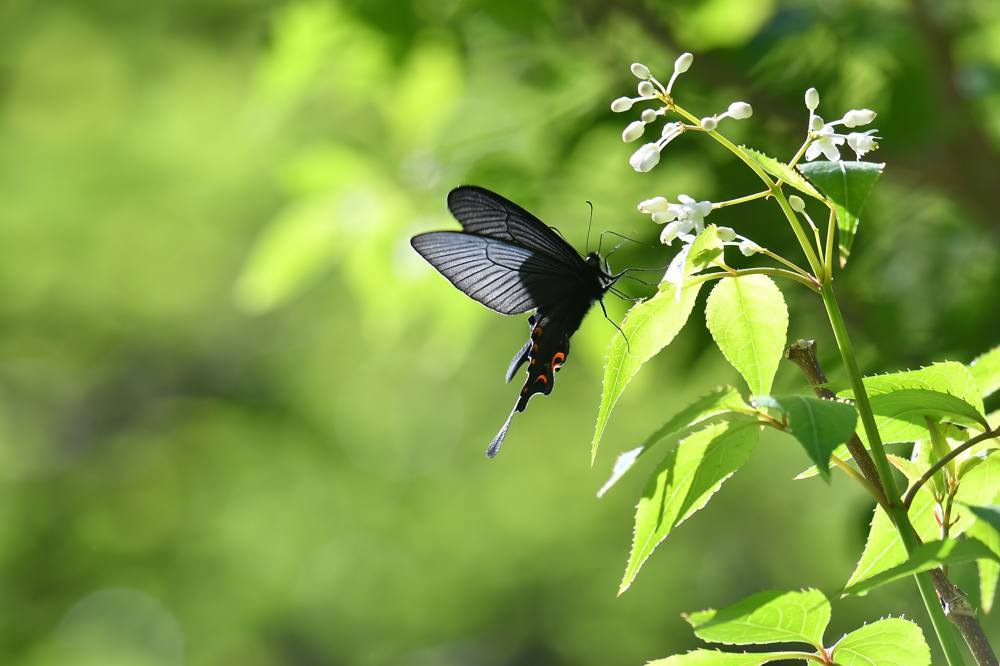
(803, 354)
(954, 453)
(962, 614)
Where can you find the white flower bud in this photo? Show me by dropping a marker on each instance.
(709, 123)
(664, 216)
(816, 123)
(646, 89)
(749, 248)
(683, 63)
(670, 232)
(644, 159)
(648, 116)
(739, 110)
(796, 202)
(654, 205)
(621, 104)
(856, 117)
(640, 71)
(633, 131)
(670, 132)
(812, 99)
(726, 234)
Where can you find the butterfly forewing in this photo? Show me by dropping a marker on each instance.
(488, 214)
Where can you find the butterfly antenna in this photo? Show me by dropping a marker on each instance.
(605, 311)
(623, 237)
(589, 225)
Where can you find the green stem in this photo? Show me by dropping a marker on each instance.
(861, 400)
(740, 200)
(775, 272)
(897, 512)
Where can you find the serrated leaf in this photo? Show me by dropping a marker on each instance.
(989, 570)
(650, 326)
(901, 419)
(783, 172)
(684, 481)
(748, 319)
(716, 658)
(847, 186)
(986, 371)
(819, 425)
(926, 557)
(719, 405)
(766, 617)
(884, 549)
(889, 642)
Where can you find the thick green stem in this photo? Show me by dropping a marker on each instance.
(897, 512)
(860, 394)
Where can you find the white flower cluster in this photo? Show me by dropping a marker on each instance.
(825, 139)
(651, 90)
(681, 218)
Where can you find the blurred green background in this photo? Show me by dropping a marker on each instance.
(242, 423)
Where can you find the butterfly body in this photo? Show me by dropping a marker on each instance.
(511, 262)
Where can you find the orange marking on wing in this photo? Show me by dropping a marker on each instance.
(537, 331)
(542, 378)
(558, 358)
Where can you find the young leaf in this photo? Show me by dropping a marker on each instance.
(720, 404)
(989, 570)
(986, 371)
(819, 425)
(989, 514)
(926, 557)
(749, 321)
(783, 172)
(766, 617)
(684, 482)
(846, 185)
(650, 326)
(716, 658)
(889, 642)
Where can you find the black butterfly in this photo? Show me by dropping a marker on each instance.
(511, 262)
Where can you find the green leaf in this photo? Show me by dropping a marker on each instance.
(684, 482)
(749, 321)
(716, 658)
(926, 557)
(651, 325)
(889, 642)
(901, 418)
(884, 550)
(783, 172)
(989, 570)
(721, 404)
(766, 617)
(819, 425)
(989, 514)
(847, 185)
(986, 371)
